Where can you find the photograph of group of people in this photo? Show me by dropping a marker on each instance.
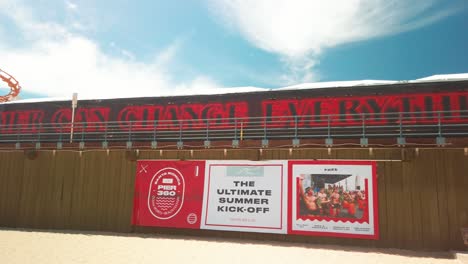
(332, 196)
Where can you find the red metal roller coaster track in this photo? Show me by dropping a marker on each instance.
(12, 83)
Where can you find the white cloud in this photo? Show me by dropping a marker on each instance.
(294, 29)
(300, 69)
(70, 5)
(57, 62)
(166, 56)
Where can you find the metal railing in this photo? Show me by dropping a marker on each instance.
(398, 125)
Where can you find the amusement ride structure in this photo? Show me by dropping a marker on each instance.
(12, 84)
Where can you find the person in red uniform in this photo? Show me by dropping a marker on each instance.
(308, 197)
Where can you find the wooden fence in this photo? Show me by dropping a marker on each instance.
(423, 193)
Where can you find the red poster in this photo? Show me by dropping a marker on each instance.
(168, 193)
(333, 198)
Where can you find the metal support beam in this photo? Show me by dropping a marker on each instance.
(440, 141)
(401, 141)
(296, 142)
(180, 144)
(364, 142)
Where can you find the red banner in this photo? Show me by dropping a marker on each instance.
(305, 197)
(278, 110)
(169, 193)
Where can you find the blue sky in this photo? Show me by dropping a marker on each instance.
(147, 48)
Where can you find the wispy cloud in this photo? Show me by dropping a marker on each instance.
(168, 54)
(57, 61)
(295, 29)
(71, 6)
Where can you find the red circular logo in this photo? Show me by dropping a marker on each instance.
(166, 193)
(192, 218)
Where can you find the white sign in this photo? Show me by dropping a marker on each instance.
(246, 196)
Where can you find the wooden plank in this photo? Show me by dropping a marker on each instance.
(82, 200)
(29, 195)
(442, 205)
(53, 184)
(428, 190)
(71, 190)
(386, 154)
(5, 178)
(242, 154)
(310, 154)
(411, 168)
(77, 203)
(105, 193)
(351, 153)
(405, 214)
(100, 180)
(117, 163)
(212, 154)
(458, 195)
(92, 162)
(63, 171)
(150, 154)
(439, 225)
(393, 203)
(115, 167)
(382, 204)
(451, 188)
(95, 171)
(15, 185)
(462, 194)
(125, 198)
(276, 154)
(171, 154)
(9, 175)
(53, 195)
(44, 213)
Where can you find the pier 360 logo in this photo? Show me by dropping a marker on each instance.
(166, 193)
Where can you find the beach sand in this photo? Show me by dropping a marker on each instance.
(33, 246)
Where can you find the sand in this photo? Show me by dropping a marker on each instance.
(26, 246)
